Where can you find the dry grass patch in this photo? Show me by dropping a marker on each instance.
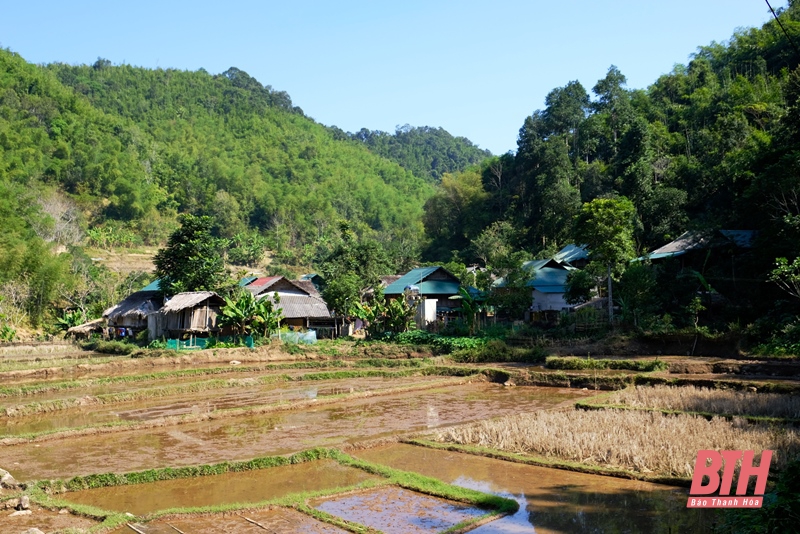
(721, 401)
(643, 442)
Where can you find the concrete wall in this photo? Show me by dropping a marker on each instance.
(426, 313)
(548, 301)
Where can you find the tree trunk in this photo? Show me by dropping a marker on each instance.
(610, 300)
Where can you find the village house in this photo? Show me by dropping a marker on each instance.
(436, 289)
(187, 315)
(301, 306)
(129, 317)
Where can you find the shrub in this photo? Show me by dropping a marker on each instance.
(572, 363)
(110, 347)
(498, 351)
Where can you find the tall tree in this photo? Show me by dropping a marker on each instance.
(191, 261)
(606, 226)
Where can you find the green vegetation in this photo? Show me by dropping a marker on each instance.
(43, 491)
(427, 152)
(171, 473)
(498, 351)
(121, 156)
(110, 347)
(192, 259)
(573, 363)
(779, 511)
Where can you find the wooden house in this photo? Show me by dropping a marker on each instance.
(129, 317)
(188, 314)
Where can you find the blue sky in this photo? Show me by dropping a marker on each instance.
(476, 69)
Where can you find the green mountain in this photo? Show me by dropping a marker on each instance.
(425, 151)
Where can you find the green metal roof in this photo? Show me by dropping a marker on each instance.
(155, 285)
(549, 280)
(438, 287)
(411, 278)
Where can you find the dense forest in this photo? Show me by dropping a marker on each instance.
(113, 154)
(110, 155)
(427, 152)
(711, 145)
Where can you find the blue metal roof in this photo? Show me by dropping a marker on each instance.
(549, 280)
(572, 252)
(438, 287)
(416, 276)
(535, 265)
(246, 280)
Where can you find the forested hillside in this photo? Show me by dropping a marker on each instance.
(112, 154)
(106, 154)
(425, 151)
(711, 144)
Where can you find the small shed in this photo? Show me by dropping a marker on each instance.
(191, 313)
(86, 330)
(130, 315)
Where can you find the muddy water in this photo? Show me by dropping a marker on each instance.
(275, 433)
(88, 373)
(398, 511)
(245, 392)
(244, 487)
(275, 521)
(552, 500)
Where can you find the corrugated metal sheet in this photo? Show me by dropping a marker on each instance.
(264, 281)
(181, 301)
(307, 286)
(137, 305)
(549, 280)
(572, 252)
(416, 277)
(741, 238)
(155, 285)
(301, 306)
(684, 243)
(438, 287)
(689, 241)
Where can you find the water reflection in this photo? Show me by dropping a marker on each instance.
(552, 500)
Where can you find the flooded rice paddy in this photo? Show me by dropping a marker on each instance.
(398, 511)
(275, 521)
(552, 500)
(278, 432)
(246, 487)
(230, 393)
(210, 415)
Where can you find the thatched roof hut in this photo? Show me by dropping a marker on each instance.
(87, 329)
(133, 311)
(194, 312)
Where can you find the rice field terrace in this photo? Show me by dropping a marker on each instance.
(239, 440)
(707, 401)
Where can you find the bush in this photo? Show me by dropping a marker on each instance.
(572, 363)
(110, 347)
(498, 351)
